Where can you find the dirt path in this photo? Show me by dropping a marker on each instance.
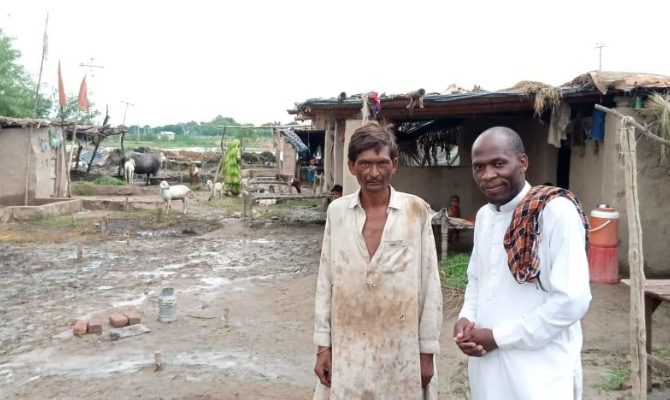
(264, 276)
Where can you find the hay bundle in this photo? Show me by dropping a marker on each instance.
(658, 107)
(544, 96)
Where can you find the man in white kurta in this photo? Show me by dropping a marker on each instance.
(378, 314)
(535, 325)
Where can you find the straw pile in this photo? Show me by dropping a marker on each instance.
(545, 96)
(658, 107)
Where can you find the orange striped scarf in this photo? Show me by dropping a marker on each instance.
(521, 237)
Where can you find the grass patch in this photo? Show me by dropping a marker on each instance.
(615, 377)
(454, 270)
(82, 189)
(108, 180)
(620, 370)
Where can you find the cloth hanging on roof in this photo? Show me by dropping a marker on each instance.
(597, 131)
(298, 145)
(560, 119)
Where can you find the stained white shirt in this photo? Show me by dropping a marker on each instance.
(378, 313)
(537, 331)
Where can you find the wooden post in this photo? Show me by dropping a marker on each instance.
(444, 232)
(69, 163)
(123, 152)
(95, 151)
(638, 332)
(223, 155)
(636, 261)
(76, 165)
(27, 177)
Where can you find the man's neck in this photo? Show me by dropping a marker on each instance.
(376, 199)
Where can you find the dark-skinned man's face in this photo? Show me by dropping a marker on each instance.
(497, 168)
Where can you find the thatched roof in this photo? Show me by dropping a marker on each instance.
(524, 96)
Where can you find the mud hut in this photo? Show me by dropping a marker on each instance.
(436, 134)
(33, 158)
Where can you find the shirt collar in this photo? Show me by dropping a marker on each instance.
(511, 205)
(394, 201)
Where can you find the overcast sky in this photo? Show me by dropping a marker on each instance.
(251, 60)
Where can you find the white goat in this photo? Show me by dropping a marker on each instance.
(266, 202)
(82, 165)
(129, 170)
(163, 159)
(177, 192)
(218, 188)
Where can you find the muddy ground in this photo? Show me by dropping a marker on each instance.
(245, 306)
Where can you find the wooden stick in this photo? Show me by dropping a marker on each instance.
(30, 150)
(218, 168)
(638, 332)
(631, 121)
(69, 168)
(95, 151)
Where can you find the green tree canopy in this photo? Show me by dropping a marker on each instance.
(17, 88)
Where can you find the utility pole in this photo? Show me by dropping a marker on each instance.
(600, 46)
(44, 54)
(126, 110)
(89, 70)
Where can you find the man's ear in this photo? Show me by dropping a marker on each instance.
(351, 165)
(523, 163)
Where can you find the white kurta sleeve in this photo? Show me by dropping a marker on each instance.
(569, 291)
(471, 297)
(431, 312)
(322, 307)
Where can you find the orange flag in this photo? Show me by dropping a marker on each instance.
(83, 96)
(61, 90)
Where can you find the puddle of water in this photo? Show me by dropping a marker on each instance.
(216, 281)
(136, 302)
(155, 273)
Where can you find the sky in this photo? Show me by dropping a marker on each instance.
(178, 61)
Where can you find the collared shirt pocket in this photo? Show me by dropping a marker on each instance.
(396, 256)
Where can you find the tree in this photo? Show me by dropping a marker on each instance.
(70, 112)
(17, 88)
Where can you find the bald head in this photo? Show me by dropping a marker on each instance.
(511, 137)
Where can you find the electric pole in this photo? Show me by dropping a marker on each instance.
(600, 46)
(126, 110)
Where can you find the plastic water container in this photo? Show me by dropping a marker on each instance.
(604, 230)
(167, 305)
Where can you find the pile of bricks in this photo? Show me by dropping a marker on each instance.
(116, 320)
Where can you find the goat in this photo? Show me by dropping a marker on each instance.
(129, 170)
(218, 188)
(318, 181)
(193, 171)
(163, 159)
(177, 192)
(291, 182)
(266, 202)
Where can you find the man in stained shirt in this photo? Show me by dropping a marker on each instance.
(528, 281)
(378, 310)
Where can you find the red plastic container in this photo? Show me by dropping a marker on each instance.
(604, 230)
(603, 264)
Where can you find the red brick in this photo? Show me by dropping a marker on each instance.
(133, 317)
(94, 327)
(118, 320)
(80, 327)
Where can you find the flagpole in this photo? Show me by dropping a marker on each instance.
(39, 79)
